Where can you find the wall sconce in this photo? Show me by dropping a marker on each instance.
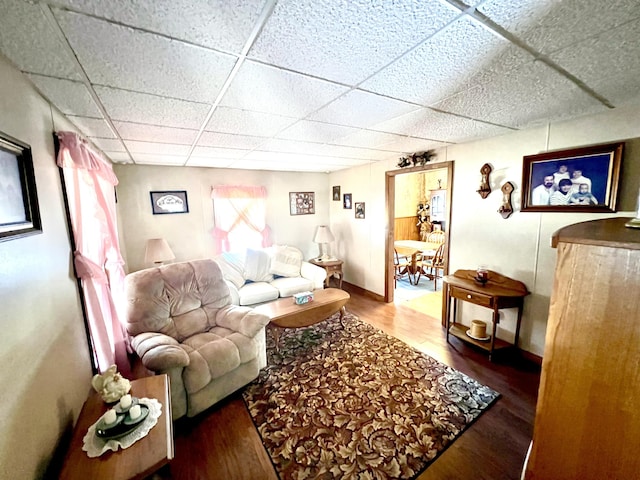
(158, 251)
(323, 237)
(485, 187)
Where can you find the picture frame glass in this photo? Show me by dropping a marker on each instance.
(19, 209)
(302, 203)
(575, 180)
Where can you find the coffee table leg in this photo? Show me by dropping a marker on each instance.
(343, 310)
(277, 331)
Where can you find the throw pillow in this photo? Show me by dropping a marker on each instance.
(232, 269)
(286, 261)
(256, 266)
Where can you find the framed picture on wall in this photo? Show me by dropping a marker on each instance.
(19, 209)
(359, 209)
(575, 180)
(346, 201)
(302, 203)
(167, 202)
(336, 193)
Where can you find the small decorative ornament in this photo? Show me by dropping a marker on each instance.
(110, 385)
(485, 187)
(506, 209)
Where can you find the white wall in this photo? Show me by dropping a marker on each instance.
(189, 235)
(46, 371)
(519, 246)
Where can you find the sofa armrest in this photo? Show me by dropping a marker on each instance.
(235, 294)
(244, 320)
(314, 273)
(159, 352)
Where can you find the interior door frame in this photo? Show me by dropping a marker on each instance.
(390, 202)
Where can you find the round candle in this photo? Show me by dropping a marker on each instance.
(134, 412)
(125, 401)
(110, 416)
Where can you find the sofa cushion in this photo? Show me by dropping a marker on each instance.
(257, 292)
(286, 261)
(256, 266)
(288, 286)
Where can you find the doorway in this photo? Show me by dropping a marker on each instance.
(445, 218)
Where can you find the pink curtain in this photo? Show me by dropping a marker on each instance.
(239, 208)
(90, 182)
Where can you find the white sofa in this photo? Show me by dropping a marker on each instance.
(263, 275)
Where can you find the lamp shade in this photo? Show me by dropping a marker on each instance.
(323, 235)
(158, 251)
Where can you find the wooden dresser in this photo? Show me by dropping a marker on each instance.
(587, 422)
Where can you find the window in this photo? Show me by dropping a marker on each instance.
(239, 217)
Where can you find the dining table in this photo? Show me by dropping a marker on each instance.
(412, 249)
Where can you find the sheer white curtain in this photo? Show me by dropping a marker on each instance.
(239, 217)
(90, 182)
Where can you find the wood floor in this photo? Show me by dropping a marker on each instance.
(222, 443)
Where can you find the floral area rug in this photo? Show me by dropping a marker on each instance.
(355, 403)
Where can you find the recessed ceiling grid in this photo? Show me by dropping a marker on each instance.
(318, 85)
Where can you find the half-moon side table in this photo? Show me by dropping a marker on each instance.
(497, 293)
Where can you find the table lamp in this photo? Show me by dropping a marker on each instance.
(158, 251)
(322, 238)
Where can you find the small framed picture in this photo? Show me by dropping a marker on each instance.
(302, 203)
(346, 201)
(336, 193)
(359, 209)
(167, 202)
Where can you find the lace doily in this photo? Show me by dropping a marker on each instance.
(95, 446)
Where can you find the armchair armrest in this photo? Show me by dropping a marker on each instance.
(314, 273)
(159, 352)
(241, 319)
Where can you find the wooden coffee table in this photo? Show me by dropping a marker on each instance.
(284, 313)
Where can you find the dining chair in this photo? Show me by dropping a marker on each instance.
(430, 266)
(436, 236)
(401, 266)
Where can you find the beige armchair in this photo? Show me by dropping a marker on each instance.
(183, 324)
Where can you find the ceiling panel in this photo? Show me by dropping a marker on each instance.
(219, 24)
(346, 41)
(324, 83)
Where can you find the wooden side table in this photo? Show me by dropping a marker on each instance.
(333, 269)
(138, 461)
(499, 292)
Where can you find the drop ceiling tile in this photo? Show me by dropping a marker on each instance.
(270, 90)
(71, 98)
(367, 139)
(108, 144)
(157, 148)
(318, 132)
(437, 68)
(346, 41)
(215, 152)
(92, 127)
(412, 145)
(121, 57)
(182, 19)
(297, 158)
(609, 62)
(362, 109)
(150, 109)
(210, 162)
(276, 166)
(153, 133)
(550, 25)
(24, 24)
(118, 157)
(526, 94)
(442, 127)
(237, 121)
(152, 159)
(290, 146)
(227, 140)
